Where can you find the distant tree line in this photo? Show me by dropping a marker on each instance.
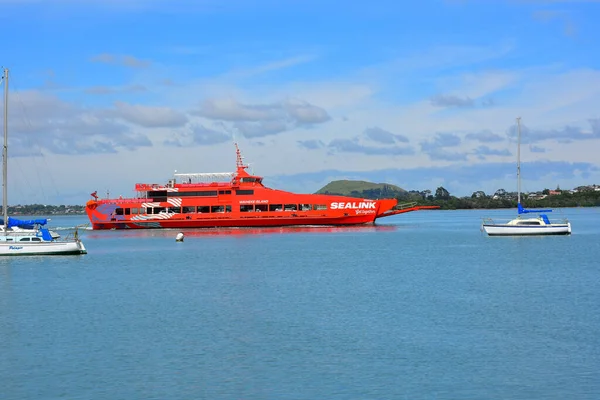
(502, 199)
(584, 197)
(41, 209)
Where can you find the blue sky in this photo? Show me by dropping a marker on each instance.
(105, 94)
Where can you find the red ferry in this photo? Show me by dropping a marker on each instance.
(202, 201)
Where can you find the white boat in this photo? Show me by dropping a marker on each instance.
(17, 226)
(37, 239)
(525, 226)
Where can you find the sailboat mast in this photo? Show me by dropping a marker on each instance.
(519, 160)
(5, 155)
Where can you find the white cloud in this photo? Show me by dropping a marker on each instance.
(121, 60)
(148, 116)
(257, 120)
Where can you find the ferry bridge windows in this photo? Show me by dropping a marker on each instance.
(244, 192)
(250, 179)
(246, 208)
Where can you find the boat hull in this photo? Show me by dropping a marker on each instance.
(515, 230)
(42, 248)
(177, 222)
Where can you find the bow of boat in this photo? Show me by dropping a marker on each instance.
(403, 208)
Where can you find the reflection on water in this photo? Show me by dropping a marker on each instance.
(200, 232)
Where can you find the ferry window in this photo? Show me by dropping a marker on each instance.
(290, 207)
(227, 208)
(127, 211)
(119, 211)
(217, 209)
(189, 210)
(246, 208)
(36, 239)
(9, 239)
(158, 210)
(203, 209)
(157, 193)
(244, 192)
(224, 191)
(320, 207)
(249, 179)
(275, 207)
(261, 208)
(305, 207)
(206, 193)
(135, 210)
(143, 210)
(25, 240)
(228, 192)
(176, 210)
(221, 192)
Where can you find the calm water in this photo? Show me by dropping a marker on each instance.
(422, 306)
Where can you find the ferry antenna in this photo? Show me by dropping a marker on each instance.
(240, 159)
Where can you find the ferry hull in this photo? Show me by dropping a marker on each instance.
(102, 218)
(228, 222)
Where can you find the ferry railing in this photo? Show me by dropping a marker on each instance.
(146, 187)
(404, 206)
(128, 200)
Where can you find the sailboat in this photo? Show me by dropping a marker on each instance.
(25, 226)
(35, 239)
(525, 226)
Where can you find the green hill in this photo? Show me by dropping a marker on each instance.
(362, 189)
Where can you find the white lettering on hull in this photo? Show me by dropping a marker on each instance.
(358, 212)
(353, 205)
